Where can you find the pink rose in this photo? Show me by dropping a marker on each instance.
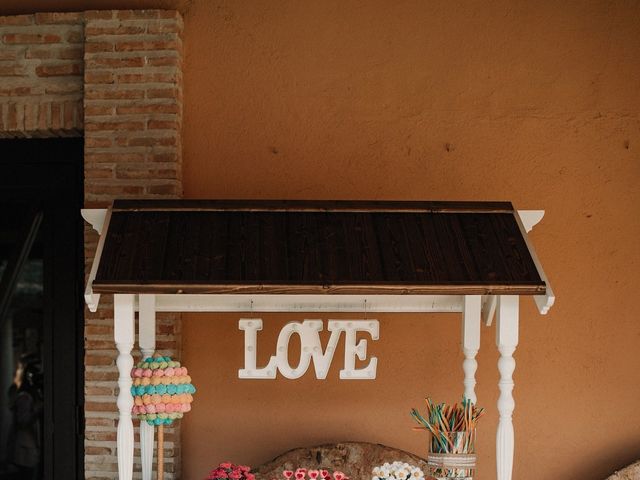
(250, 476)
(235, 475)
(226, 465)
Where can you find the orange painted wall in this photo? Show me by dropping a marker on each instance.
(533, 102)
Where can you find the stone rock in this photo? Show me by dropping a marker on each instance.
(355, 459)
(632, 472)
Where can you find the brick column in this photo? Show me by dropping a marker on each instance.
(133, 117)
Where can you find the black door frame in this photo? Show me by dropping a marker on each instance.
(49, 174)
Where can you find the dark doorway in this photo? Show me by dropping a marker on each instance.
(41, 311)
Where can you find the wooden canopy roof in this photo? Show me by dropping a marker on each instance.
(315, 247)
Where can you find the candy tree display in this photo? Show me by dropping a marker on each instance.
(162, 392)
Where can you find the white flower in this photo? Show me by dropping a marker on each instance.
(397, 471)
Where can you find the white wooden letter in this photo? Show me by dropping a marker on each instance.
(124, 321)
(147, 341)
(322, 360)
(507, 340)
(250, 370)
(282, 352)
(353, 349)
(311, 349)
(470, 343)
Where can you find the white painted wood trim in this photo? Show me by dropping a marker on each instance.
(470, 343)
(309, 303)
(147, 341)
(489, 309)
(530, 218)
(124, 333)
(546, 301)
(96, 217)
(506, 340)
(92, 299)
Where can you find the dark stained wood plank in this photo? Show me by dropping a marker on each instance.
(147, 264)
(235, 249)
(467, 260)
(395, 258)
(404, 249)
(176, 264)
(131, 232)
(112, 245)
(390, 288)
(434, 252)
(312, 205)
(370, 254)
(334, 249)
(513, 248)
(273, 257)
(252, 249)
(418, 248)
(479, 238)
(217, 238)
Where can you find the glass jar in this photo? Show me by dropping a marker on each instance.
(452, 455)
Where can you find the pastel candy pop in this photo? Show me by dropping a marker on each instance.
(162, 390)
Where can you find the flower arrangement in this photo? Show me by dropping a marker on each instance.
(301, 474)
(230, 471)
(397, 471)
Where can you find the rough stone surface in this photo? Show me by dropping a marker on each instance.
(356, 459)
(632, 472)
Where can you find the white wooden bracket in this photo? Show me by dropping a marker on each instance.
(99, 220)
(527, 219)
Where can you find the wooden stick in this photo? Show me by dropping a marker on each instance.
(160, 452)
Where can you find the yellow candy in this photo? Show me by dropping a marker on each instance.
(137, 400)
(155, 380)
(145, 381)
(146, 399)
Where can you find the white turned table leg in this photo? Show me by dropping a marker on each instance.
(471, 343)
(507, 340)
(124, 321)
(147, 340)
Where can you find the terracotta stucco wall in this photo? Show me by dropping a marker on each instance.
(534, 102)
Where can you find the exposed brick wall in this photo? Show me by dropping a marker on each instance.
(133, 104)
(41, 75)
(133, 116)
(116, 77)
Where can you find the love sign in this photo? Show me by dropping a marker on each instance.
(311, 349)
